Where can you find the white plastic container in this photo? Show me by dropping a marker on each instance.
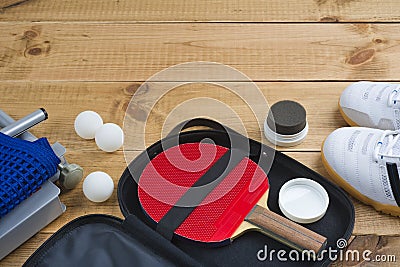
(286, 124)
(303, 200)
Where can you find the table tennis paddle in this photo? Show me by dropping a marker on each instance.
(233, 199)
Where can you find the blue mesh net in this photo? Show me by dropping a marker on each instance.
(24, 166)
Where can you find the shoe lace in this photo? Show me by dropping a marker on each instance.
(394, 96)
(393, 137)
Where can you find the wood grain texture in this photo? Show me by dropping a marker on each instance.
(70, 56)
(65, 100)
(135, 52)
(209, 10)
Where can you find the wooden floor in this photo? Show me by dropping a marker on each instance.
(70, 56)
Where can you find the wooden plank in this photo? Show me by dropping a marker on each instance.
(64, 100)
(209, 10)
(134, 52)
(10, 3)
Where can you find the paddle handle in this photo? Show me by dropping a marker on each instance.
(286, 231)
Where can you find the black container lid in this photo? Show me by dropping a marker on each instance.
(289, 117)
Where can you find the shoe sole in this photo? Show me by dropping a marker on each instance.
(345, 117)
(388, 209)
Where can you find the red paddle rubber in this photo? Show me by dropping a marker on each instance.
(171, 173)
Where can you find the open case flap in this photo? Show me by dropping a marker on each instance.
(101, 240)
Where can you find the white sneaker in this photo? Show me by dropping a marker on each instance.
(371, 104)
(365, 162)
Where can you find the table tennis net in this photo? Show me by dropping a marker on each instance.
(24, 167)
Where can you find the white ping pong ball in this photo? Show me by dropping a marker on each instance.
(98, 186)
(109, 137)
(87, 123)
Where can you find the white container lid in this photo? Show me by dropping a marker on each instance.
(303, 200)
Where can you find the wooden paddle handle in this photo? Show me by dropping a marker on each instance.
(286, 231)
